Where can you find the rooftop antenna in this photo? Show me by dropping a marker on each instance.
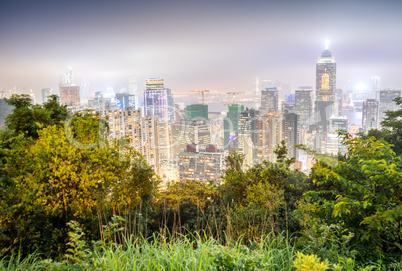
(326, 45)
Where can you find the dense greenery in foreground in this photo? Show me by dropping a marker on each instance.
(56, 169)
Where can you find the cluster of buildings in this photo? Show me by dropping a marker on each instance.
(190, 142)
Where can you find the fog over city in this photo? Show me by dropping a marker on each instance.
(218, 45)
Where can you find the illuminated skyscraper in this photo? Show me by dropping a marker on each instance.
(231, 126)
(375, 87)
(201, 165)
(304, 106)
(269, 100)
(269, 132)
(69, 92)
(133, 90)
(248, 135)
(124, 100)
(325, 90)
(84, 90)
(290, 131)
(156, 103)
(387, 102)
(158, 100)
(154, 83)
(370, 114)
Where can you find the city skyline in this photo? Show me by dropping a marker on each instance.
(217, 45)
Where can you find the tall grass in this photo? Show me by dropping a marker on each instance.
(272, 253)
(15, 263)
(182, 253)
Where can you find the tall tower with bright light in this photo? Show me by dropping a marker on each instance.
(325, 89)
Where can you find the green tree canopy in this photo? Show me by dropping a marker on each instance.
(365, 198)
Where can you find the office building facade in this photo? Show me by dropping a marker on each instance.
(370, 115)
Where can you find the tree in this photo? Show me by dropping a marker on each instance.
(64, 175)
(365, 198)
(28, 119)
(265, 193)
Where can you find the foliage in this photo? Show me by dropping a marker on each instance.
(309, 263)
(59, 179)
(159, 253)
(365, 200)
(29, 119)
(263, 197)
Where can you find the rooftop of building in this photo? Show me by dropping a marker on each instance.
(326, 57)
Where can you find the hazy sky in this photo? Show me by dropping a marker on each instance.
(219, 45)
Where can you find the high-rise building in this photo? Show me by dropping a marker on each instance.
(201, 165)
(46, 92)
(288, 107)
(133, 90)
(171, 108)
(154, 83)
(387, 102)
(158, 100)
(269, 99)
(197, 111)
(325, 90)
(156, 103)
(248, 135)
(332, 143)
(231, 126)
(370, 114)
(124, 100)
(375, 87)
(290, 132)
(290, 98)
(189, 132)
(269, 132)
(84, 90)
(304, 106)
(338, 102)
(69, 92)
(142, 132)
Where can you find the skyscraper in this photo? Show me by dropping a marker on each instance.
(304, 106)
(69, 93)
(269, 132)
(201, 165)
(170, 102)
(84, 91)
(325, 90)
(231, 126)
(156, 103)
(197, 111)
(269, 99)
(124, 100)
(158, 100)
(375, 87)
(290, 131)
(248, 135)
(142, 132)
(387, 102)
(370, 114)
(154, 83)
(133, 90)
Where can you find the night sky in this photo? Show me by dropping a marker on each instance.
(218, 45)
